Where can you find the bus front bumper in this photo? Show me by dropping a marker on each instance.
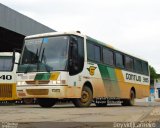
(59, 92)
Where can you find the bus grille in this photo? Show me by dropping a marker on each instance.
(37, 91)
(5, 90)
(38, 82)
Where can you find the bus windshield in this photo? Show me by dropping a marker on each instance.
(6, 63)
(45, 54)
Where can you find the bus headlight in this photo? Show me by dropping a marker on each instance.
(20, 83)
(61, 82)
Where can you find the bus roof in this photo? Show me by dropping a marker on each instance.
(99, 42)
(54, 34)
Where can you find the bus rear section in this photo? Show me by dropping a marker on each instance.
(8, 68)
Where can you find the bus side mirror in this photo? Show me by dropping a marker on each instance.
(14, 58)
(73, 56)
(14, 55)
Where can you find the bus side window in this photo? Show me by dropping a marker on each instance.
(129, 63)
(108, 57)
(90, 51)
(119, 60)
(93, 52)
(138, 66)
(97, 54)
(145, 68)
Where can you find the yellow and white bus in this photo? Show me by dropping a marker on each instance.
(70, 65)
(8, 78)
(8, 68)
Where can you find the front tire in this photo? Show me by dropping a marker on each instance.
(130, 101)
(86, 98)
(46, 102)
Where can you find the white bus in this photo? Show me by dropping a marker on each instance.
(70, 65)
(8, 68)
(8, 78)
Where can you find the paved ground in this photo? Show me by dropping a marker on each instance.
(66, 115)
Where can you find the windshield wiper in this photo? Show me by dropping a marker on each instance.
(33, 61)
(39, 54)
(44, 58)
(36, 57)
(27, 68)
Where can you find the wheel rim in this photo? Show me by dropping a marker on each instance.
(85, 97)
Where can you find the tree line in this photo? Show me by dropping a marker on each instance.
(153, 75)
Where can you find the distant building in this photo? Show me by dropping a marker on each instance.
(15, 26)
(157, 87)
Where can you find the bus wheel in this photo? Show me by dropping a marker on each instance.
(86, 98)
(131, 101)
(101, 102)
(46, 102)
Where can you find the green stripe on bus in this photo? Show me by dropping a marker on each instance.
(107, 72)
(42, 76)
(110, 81)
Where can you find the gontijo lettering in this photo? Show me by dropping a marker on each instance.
(133, 77)
(138, 78)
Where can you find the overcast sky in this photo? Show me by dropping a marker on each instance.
(129, 25)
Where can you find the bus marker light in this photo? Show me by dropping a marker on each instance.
(21, 94)
(55, 90)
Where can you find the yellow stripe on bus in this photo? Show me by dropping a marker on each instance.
(54, 75)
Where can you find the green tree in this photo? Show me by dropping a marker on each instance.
(153, 74)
